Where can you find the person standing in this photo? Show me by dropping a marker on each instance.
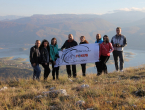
(98, 40)
(45, 57)
(119, 42)
(83, 41)
(105, 49)
(35, 59)
(54, 55)
(68, 44)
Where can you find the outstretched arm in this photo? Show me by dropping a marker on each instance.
(63, 46)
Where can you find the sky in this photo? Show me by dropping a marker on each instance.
(31, 7)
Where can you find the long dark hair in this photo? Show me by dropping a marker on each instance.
(42, 44)
(107, 40)
(52, 40)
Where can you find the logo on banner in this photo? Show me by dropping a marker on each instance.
(82, 55)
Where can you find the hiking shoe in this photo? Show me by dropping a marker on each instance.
(121, 71)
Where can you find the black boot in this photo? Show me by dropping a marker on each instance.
(53, 77)
(57, 77)
(84, 74)
(98, 74)
(105, 72)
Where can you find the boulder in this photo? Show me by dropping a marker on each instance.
(39, 96)
(90, 109)
(52, 88)
(84, 86)
(54, 93)
(80, 103)
(4, 88)
(140, 93)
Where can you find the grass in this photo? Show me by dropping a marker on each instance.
(114, 91)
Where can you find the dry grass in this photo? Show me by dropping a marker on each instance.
(115, 91)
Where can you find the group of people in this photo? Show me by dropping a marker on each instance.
(44, 53)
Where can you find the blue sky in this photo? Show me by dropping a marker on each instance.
(30, 7)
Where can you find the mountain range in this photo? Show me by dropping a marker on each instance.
(27, 29)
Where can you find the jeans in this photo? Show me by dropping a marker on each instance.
(36, 71)
(119, 54)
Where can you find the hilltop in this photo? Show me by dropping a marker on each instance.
(25, 30)
(124, 91)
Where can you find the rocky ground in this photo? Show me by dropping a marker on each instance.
(120, 91)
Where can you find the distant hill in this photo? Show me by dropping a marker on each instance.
(9, 17)
(26, 30)
(123, 18)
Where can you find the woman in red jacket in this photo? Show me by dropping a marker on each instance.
(105, 49)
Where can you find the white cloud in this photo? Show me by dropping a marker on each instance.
(131, 9)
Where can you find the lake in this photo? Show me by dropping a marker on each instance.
(22, 51)
(134, 60)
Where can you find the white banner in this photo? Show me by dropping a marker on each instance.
(83, 53)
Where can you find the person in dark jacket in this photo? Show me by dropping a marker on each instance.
(54, 55)
(100, 41)
(83, 41)
(45, 57)
(68, 44)
(35, 59)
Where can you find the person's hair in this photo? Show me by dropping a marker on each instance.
(107, 40)
(118, 28)
(42, 44)
(85, 39)
(37, 41)
(98, 34)
(52, 40)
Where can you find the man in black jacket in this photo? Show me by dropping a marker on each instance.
(35, 59)
(68, 44)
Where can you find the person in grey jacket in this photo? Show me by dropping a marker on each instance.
(119, 42)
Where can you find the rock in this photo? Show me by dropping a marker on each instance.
(4, 88)
(124, 91)
(109, 102)
(119, 78)
(53, 108)
(54, 93)
(80, 103)
(70, 80)
(63, 91)
(90, 109)
(140, 93)
(13, 88)
(84, 86)
(96, 81)
(135, 78)
(134, 105)
(39, 96)
(52, 88)
(115, 82)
